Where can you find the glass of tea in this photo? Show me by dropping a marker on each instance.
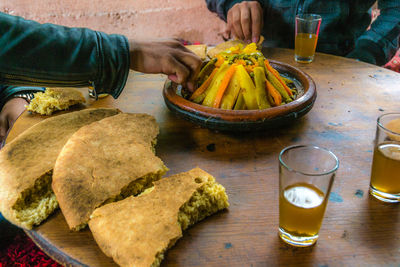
(385, 172)
(306, 175)
(306, 37)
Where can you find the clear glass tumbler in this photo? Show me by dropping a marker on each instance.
(385, 172)
(306, 175)
(306, 37)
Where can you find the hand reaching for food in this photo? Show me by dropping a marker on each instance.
(165, 56)
(245, 21)
(10, 112)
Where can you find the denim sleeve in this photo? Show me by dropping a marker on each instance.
(380, 42)
(51, 55)
(221, 7)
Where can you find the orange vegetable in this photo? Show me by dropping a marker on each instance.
(274, 71)
(212, 90)
(220, 61)
(204, 86)
(249, 68)
(241, 61)
(276, 74)
(231, 93)
(224, 85)
(275, 95)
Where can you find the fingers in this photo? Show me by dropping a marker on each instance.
(15, 107)
(194, 63)
(183, 68)
(226, 33)
(3, 128)
(245, 20)
(235, 23)
(166, 56)
(256, 21)
(173, 78)
(178, 69)
(189, 61)
(9, 114)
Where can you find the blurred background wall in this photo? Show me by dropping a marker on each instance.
(145, 19)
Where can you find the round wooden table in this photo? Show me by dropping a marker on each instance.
(357, 229)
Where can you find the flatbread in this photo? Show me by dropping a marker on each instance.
(200, 50)
(106, 161)
(27, 162)
(222, 47)
(54, 99)
(228, 44)
(138, 230)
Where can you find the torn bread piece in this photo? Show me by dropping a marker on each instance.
(103, 162)
(138, 231)
(211, 53)
(200, 50)
(26, 165)
(221, 47)
(54, 99)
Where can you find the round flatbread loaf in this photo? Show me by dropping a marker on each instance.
(27, 162)
(104, 162)
(137, 231)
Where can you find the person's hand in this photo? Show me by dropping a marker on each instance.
(245, 21)
(10, 112)
(166, 56)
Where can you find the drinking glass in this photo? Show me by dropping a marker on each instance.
(306, 37)
(385, 172)
(306, 175)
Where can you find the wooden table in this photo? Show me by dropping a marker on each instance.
(357, 229)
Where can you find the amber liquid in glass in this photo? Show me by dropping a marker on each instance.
(304, 48)
(301, 210)
(385, 173)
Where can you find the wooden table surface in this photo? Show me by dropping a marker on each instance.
(357, 229)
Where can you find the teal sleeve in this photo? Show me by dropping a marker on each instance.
(378, 44)
(51, 55)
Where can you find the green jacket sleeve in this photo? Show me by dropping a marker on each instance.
(51, 55)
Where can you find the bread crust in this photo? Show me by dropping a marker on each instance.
(33, 154)
(101, 160)
(133, 231)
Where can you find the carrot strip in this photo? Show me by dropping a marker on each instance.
(241, 62)
(220, 61)
(204, 86)
(224, 84)
(276, 74)
(272, 69)
(249, 68)
(276, 96)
